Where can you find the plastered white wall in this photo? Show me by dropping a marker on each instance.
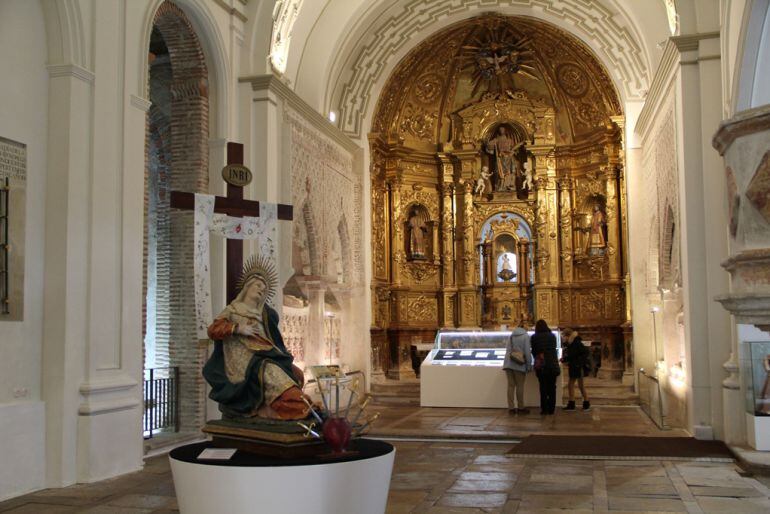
(23, 118)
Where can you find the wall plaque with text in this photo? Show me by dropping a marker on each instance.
(13, 182)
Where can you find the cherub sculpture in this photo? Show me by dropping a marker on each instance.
(251, 373)
(483, 183)
(528, 183)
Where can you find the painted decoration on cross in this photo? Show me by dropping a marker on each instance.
(262, 229)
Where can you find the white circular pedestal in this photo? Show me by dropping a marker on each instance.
(355, 487)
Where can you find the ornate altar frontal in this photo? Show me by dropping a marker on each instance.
(498, 192)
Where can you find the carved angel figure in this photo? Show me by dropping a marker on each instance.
(484, 183)
(528, 182)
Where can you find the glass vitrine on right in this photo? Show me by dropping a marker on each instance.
(755, 372)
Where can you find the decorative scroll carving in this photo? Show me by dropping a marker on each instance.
(572, 79)
(428, 87)
(420, 271)
(422, 309)
(418, 123)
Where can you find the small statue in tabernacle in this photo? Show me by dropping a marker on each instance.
(251, 373)
(507, 272)
(597, 242)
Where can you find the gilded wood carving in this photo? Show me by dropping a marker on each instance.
(430, 144)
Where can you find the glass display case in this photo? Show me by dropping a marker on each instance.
(474, 348)
(755, 372)
(464, 369)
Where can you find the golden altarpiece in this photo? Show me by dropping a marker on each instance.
(497, 193)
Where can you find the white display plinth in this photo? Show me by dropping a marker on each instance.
(359, 486)
(758, 432)
(465, 369)
(474, 386)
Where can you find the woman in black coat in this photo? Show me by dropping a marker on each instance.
(576, 357)
(546, 365)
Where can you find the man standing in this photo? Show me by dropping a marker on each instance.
(518, 360)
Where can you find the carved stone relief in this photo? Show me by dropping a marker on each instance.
(758, 191)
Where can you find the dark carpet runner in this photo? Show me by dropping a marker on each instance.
(622, 446)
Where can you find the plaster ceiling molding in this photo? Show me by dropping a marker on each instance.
(285, 13)
(608, 31)
(673, 17)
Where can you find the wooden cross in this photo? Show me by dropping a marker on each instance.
(235, 206)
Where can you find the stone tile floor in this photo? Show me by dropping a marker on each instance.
(415, 421)
(457, 477)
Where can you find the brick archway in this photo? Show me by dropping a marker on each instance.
(176, 159)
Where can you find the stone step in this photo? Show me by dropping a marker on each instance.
(601, 392)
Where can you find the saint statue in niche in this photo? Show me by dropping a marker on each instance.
(597, 241)
(251, 373)
(507, 167)
(417, 234)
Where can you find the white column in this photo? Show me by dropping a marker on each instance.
(65, 297)
(315, 345)
(109, 422)
(704, 233)
(92, 334)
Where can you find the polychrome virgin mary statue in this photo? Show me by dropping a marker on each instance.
(251, 373)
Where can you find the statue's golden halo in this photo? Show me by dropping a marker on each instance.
(258, 266)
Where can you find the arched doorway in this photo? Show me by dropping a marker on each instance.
(176, 159)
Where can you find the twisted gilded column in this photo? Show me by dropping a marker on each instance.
(469, 237)
(397, 237)
(449, 289)
(565, 227)
(613, 223)
(468, 294)
(547, 244)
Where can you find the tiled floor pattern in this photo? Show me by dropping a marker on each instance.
(414, 421)
(461, 477)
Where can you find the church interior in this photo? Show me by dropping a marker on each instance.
(211, 210)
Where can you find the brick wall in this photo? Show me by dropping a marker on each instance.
(177, 159)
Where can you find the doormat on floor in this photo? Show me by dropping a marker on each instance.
(622, 446)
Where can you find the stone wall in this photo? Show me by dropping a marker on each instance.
(663, 273)
(327, 244)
